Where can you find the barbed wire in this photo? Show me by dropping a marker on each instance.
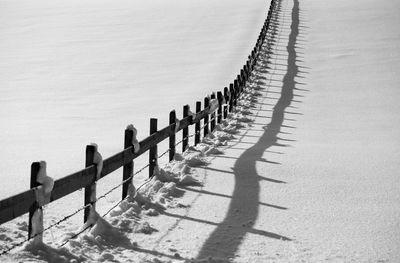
(44, 230)
(72, 214)
(76, 235)
(116, 187)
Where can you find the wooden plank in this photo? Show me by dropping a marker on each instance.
(152, 140)
(116, 161)
(201, 115)
(17, 205)
(73, 182)
(185, 122)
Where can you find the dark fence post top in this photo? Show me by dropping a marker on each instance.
(35, 168)
(172, 123)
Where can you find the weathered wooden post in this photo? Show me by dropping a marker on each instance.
(243, 74)
(172, 139)
(212, 115)
(207, 117)
(253, 56)
(226, 95)
(43, 186)
(153, 149)
(232, 97)
(197, 125)
(35, 167)
(240, 83)
(236, 88)
(185, 131)
(244, 77)
(220, 100)
(127, 168)
(248, 70)
(90, 190)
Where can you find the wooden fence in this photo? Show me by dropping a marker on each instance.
(22, 203)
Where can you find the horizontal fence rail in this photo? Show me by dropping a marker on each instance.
(216, 108)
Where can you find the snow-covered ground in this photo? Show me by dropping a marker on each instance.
(310, 174)
(75, 72)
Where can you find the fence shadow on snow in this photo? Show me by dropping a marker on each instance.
(245, 197)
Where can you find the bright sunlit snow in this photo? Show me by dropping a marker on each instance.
(76, 72)
(304, 170)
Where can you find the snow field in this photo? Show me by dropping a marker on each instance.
(314, 181)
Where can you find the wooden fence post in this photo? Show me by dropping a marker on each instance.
(90, 190)
(248, 70)
(185, 131)
(232, 97)
(236, 89)
(212, 115)
(240, 83)
(197, 125)
(207, 117)
(153, 150)
(253, 55)
(219, 97)
(244, 78)
(172, 120)
(35, 167)
(226, 101)
(128, 168)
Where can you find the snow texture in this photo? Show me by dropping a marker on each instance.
(97, 160)
(213, 105)
(305, 170)
(43, 191)
(135, 142)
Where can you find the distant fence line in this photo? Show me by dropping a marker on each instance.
(215, 109)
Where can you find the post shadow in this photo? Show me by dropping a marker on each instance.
(244, 206)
